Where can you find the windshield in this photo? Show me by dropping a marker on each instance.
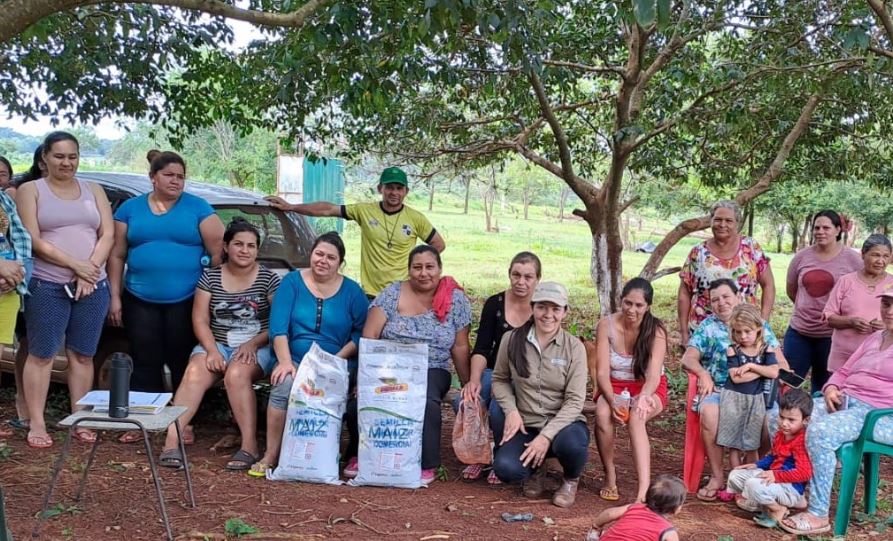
(285, 240)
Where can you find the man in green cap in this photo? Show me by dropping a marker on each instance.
(389, 229)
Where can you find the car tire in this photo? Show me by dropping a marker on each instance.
(101, 361)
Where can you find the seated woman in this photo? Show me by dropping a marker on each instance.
(540, 383)
(427, 309)
(863, 383)
(502, 312)
(230, 316)
(630, 349)
(317, 304)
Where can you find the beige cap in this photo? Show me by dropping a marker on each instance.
(550, 292)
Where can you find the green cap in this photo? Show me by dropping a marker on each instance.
(393, 175)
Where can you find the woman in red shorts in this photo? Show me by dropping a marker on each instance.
(629, 355)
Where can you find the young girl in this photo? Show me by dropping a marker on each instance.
(742, 405)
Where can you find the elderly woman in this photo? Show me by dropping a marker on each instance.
(811, 276)
(71, 229)
(314, 305)
(864, 383)
(630, 348)
(431, 309)
(853, 305)
(727, 255)
(502, 312)
(540, 384)
(230, 317)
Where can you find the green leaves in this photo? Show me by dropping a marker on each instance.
(645, 11)
(237, 527)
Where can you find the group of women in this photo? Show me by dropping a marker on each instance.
(189, 280)
(839, 334)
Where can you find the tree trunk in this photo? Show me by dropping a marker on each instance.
(526, 197)
(431, 195)
(606, 266)
(795, 237)
(467, 194)
(750, 222)
(565, 193)
(806, 234)
(779, 233)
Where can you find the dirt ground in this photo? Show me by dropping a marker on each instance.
(120, 500)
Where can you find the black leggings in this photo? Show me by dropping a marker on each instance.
(159, 334)
(438, 384)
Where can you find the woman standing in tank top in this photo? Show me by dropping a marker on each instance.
(630, 349)
(71, 228)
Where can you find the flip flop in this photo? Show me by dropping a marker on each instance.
(802, 526)
(707, 494)
(258, 469)
(241, 460)
(131, 436)
(492, 479)
(610, 494)
(21, 424)
(725, 496)
(84, 435)
(765, 521)
(39, 442)
(473, 472)
(171, 458)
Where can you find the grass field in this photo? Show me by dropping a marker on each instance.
(479, 260)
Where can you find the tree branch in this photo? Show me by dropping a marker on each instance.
(628, 203)
(745, 196)
(886, 19)
(585, 67)
(564, 151)
(19, 15)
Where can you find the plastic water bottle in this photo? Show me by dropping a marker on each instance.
(119, 385)
(6, 251)
(622, 403)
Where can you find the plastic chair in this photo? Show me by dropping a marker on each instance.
(851, 455)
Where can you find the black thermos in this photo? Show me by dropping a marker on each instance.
(119, 385)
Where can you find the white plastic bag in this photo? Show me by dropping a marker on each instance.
(392, 386)
(312, 436)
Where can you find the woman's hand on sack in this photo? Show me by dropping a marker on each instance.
(472, 391)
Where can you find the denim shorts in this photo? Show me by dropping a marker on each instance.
(265, 357)
(52, 317)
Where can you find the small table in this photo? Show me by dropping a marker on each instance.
(145, 424)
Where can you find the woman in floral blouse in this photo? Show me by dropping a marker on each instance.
(727, 255)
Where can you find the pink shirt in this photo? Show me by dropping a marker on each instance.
(851, 297)
(815, 279)
(868, 374)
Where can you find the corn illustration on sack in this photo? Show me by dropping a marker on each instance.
(392, 386)
(312, 433)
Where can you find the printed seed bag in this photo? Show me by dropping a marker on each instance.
(392, 386)
(312, 435)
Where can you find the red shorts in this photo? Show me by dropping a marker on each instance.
(635, 388)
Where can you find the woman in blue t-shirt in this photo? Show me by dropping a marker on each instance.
(161, 236)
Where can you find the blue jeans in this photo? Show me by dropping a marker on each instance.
(570, 447)
(808, 352)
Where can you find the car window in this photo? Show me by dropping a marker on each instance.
(283, 243)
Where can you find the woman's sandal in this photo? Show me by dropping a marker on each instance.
(707, 494)
(258, 469)
(473, 472)
(725, 496)
(39, 442)
(131, 436)
(171, 458)
(493, 479)
(241, 460)
(802, 526)
(610, 494)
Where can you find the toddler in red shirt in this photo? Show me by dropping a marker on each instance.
(643, 521)
(776, 482)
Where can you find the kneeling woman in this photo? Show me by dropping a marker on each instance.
(230, 317)
(540, 383)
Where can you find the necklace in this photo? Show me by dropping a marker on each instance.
(870, 283)
(393, 227)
